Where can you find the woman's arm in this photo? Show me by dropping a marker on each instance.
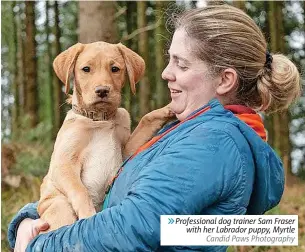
(185, 179)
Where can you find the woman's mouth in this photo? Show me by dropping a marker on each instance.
(174, 91)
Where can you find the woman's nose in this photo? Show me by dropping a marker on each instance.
(167, 74)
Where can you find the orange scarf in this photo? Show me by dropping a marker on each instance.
(250, 117)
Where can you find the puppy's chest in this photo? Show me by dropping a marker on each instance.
(101, 160)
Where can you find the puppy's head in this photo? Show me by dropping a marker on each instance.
(99, 71)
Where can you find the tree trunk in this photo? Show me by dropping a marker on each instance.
(131, 20)
(144, 88)
(49, 67)
(21, 60)
(161, 38)
(97, 21)
(57, 85)
(16, 106)
(268, 119)
(31, 104)
(280, 121)
(131, 23)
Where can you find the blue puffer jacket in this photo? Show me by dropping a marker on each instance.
(211, 164)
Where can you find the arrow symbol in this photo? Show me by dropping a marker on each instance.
(171, 220)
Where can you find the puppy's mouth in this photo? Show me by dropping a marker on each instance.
(101, 101)
(109, 100)
(112, 99)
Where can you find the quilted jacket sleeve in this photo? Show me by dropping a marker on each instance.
(176, 182)
(28, 211)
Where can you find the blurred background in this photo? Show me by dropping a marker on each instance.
(33, 102)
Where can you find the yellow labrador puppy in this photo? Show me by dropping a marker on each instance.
(95, 135)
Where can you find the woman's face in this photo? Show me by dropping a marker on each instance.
(189, 81)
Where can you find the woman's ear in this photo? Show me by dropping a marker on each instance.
(228, 82)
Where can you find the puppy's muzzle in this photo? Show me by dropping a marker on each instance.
(102, 91)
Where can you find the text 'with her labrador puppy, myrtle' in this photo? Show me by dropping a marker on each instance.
(212, 230)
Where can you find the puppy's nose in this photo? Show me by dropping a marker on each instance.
(102, 91)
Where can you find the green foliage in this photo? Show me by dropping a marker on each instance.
(7, 55)
(257, 10)
(301, 171)
(34, 149)
(68, 22)
(274, 211)
(293, 14)
(294, 17)
(231, 249)
(32, 162)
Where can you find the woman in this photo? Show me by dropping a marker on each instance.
(213, 160)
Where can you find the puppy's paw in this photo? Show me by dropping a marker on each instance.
(161, 115)
(168, 113)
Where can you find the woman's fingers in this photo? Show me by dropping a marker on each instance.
(27, 231)
(40, 225)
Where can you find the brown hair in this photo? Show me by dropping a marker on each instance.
(226, 37)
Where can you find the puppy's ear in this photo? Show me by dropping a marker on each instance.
(64, 64)
(135, 66)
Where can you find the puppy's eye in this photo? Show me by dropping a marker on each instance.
(86, 69)
(115, 69)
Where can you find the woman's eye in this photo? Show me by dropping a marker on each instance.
(86, 69)
(183, 67)
(115, 69)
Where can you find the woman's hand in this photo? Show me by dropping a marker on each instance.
(27, 231)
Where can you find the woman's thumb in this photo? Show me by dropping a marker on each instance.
(41, 225)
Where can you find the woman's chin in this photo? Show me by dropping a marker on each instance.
(175, 108)
(180, 113)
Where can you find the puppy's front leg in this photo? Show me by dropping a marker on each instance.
(147, 127)
(69, 181)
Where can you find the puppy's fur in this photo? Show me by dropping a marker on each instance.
(88, 151)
